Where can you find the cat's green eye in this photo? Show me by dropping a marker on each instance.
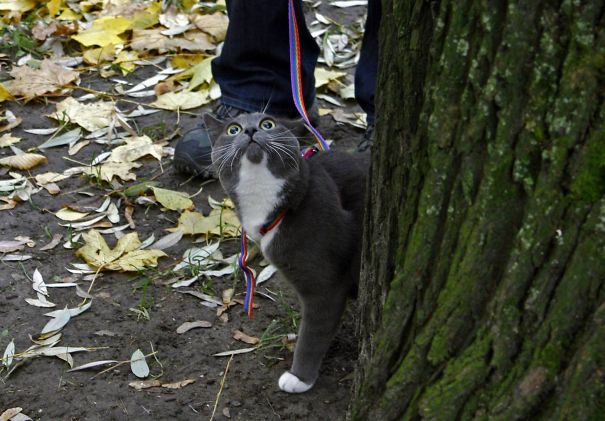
(233, 129)
(267, 124)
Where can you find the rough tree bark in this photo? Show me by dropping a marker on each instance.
(483, 274)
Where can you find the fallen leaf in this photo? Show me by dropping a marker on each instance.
(109, 170)
(56, 323)
(135, 148)
(104, 31)
(138, 365)
(7, 357)
(125, 256)
(228, 295)
(324, 76)
(92, 365)
(67, 138)
(219, 222)
(238, 335)
(172, 200)
(4, 93)
(66, 214)
(25, 161)
(168, 240)
(17, 6)
(234, 352)
(30, 82)
(8, 246)
(56, 240)
(153, 39)
(214, 25)
(265, 274)
(12, 121)
(183, 100)
(145, 384)
(94, 116)
(200, 73)
(8, 139)
(178, 385)
(187, 326)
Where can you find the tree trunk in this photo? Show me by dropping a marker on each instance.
(482, 292)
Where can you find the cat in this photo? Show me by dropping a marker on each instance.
(305, 214)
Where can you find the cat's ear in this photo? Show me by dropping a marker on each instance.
(214, 127)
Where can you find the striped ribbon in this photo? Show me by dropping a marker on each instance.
(296, 76)
(299, 102)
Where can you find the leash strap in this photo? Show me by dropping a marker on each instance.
(299, 102)
(296, 76)
(248, 274)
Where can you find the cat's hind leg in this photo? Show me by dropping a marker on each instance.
(320, 319)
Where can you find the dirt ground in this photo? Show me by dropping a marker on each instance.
(247, 391)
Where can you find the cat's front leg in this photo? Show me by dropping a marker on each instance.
(319, 323)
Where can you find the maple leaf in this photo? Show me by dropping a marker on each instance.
(104, 31)
(108, 170)
(30, 82)
(135, 148)
(183, 100)
(125, 256)
(219, 222)
(92, 117)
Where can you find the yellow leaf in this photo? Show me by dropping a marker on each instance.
(8, 139)
(104, 31)
(172, 200)
(108, 170)
(99, 55)
(69, 14)
(92, 117)
(53, 7)
(66, 214)
(219, 222)
(135, 148)
(186, 61)
(30, 82)
(126, 61)
(200, 73)
(17, 5)
(324, 76)
(126, 255)
(24, 161)
(148, 17)
(4, 93)
(183, 100)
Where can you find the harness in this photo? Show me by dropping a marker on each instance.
(299, 103)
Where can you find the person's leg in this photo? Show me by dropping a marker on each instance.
(253, 69)
(253, 72)
(365, 75)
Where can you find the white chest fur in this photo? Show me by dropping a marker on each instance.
(258, 193)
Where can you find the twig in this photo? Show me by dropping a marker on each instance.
(220, 391)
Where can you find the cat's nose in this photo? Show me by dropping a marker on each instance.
(250, 131)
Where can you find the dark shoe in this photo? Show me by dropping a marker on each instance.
(368, 139)
(192, 154)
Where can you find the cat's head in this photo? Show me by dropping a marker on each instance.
(256, 137)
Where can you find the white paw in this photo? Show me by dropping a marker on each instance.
(289, 383)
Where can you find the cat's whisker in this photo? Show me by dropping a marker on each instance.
(287, 152)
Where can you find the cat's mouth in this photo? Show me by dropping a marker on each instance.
(253, 151)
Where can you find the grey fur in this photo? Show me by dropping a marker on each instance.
(318, 244)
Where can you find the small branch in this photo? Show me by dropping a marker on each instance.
(220, 391)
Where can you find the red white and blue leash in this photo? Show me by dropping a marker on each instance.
(299, 102)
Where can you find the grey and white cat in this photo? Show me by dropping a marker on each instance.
(317, 244)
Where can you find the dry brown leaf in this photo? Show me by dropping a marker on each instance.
(94, 116)
(152, 39)
(178, 385)
(183, 100)
(30, 82)
(8, 203)
(11, 121)
(187, 326)
(214, 25)
(145, 384)
(25, 161)
(238, 335)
